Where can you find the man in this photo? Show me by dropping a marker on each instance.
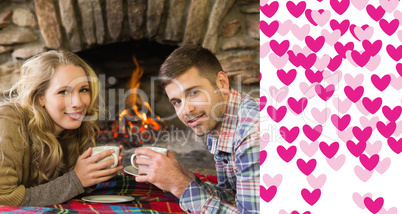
(200, 93)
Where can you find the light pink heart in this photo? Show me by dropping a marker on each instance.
(342, 106)
(321, 116)
(321, 18)
(396, 82)
(354, 82)
(277, 61)
(373, 63)
(308, 90)
(360, 107)
(279, 94)
(359, 200)
(359, 4)
(346, 134)
(383, 165)
(263, 2)
(309, 149)
(316, 183)
(284, 28)
(272, 181)
(366, 122)
(264, 140)
(389, 5)
(331, 38)
(336, 163)
(265, 49)
(362, 173)
(332, 77)
(300, 32)
(400, 34)
(297, 49)
(364, 34)
(322, 63)
(373, 148)
(348, 55)
(391, 210)
(398, 15)
(398, 130)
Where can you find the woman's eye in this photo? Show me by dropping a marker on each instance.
(63, 92)
(85, 90)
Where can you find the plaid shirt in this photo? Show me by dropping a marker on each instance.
(237, 156)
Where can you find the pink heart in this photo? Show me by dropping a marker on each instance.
(331, 38)
(363, 34)
(296, 10)
(311, 197)
(269, 29)
(332, 78)
(356, 149)
(279, 48)
(372, 106)
(391, 210)
(325, 93)
(392, 114)
(373, 63)
(375, 13)
(335, 63)
(389, 27)
(316, 183)
(342, 106)
(366, 122)
(297, 106)
(306, 167)
(345, 135)
(360, 58)
(300, 32)
(270, 9)
(398, 129)
(315, 44)
(386, 130)
(277, 114)
(297, 49)
(329, 150)
(363, 174)
(313, 76)
(267, 194)
(278, 62)
(369, 162)
(362, 135)
(321, 18)
(374, 206)
(264, 50)
(394, 53)
(321, 116)
(312, 133)
(400, 34)
(340, 7)
(396, 146)
(289, 135)
(389, 5)
(348, 55)
(264, 140)
(342, 27)
(359, 4)
(354, 81)
(341, 49)
(396, 82)
(372, 48)
(284, 27)
(398, 15)
(286, 154)
(374, 148)
(263, 2)
(383, 165)
(336, 163)
(354, 95)
(361, 108)
(381, 83)
(358, 199)
(263, 102)
(309, 149)
(287, 77)
(308, 91)
(341, 123)
(278, 94)
(322, 63)
(272, 181)
(263, 156)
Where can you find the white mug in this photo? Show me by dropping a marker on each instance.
(135, 156)
(115, 155)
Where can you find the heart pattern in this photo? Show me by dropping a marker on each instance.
(330, 102)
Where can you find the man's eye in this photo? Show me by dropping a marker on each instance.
(192, 93)
(176, 103)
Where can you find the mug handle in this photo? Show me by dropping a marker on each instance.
(133, 157)
(116, 160)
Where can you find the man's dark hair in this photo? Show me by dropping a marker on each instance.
(186, 57)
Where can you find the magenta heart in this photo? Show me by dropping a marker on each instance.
(325, 93)
(329, 150)
(396, 146)
(312, 133)
(307, 62)
(340, 123)
(306, 167)
(279, 48)
(307, 13)
(343, 26)
(276, 115)
(263, 102)
(386, 130)
(381, 83)
(315, 44)
(394, 53)
(296, 10)
(399, 69)
(375, 13)
(356, 149)
(286, 154)
(362, 30)
(270, 9)
(269, 29)
(369, 162)
(341, 49)
(289, 135)
(286, 77)
(263, 156)
(267, 194)
(361, 59)
(362, 135)
(340, 7)
(335, 63)
(374, 206)
(297, 106)
(389, 27)
(372, 49)
(354, 95)
(311, 197)
(372, 106)
(314, 77)
(392, 114)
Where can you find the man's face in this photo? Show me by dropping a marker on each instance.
(198, 104)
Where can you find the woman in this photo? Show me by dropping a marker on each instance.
(48, 120)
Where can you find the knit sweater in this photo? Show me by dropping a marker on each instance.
(15, 173)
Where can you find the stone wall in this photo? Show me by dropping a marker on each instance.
(230, 28)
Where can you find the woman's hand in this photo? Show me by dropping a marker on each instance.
(90, 172)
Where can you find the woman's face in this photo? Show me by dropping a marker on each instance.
(67, 98)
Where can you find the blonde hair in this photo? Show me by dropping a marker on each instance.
(51, 156)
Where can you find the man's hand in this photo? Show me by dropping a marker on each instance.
(165, 172)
